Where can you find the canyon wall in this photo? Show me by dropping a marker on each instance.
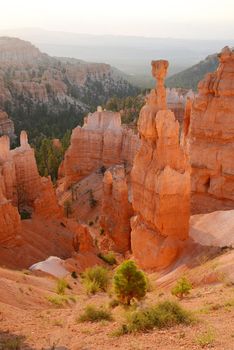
(100, 142)
(20, 181)
(211, 132)
(160, 182)
(10, 224)
(116, 208)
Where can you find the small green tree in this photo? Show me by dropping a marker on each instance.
(92, 201)
(67, 208)
(129, 282)
(181, 288)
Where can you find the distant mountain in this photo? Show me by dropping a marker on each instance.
(130, 54)
(189, 78)
(48, 95)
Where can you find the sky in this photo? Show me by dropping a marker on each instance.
(200, 19)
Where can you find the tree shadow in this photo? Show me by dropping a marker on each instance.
(10, 341)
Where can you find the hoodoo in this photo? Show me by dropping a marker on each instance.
(160, 182)
(100, 142)
(116, 208)
(20, 181)
(211, 132)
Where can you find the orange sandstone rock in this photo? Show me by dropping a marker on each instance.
(160, 184)
(20, 181)
(211, 133)
(100, 142)
(46, 203)
(116, 208)
(10, 224)
(82, 239)
(6, 125)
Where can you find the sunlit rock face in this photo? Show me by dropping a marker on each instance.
(211, 132)
(20, 181)
(160, 182)
(116, 208)
(10, 224)
(22, 188)
(100, 142)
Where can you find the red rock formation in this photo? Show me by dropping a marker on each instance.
(6, 125)
(160, 183)
(46, 204)
(116, 208)
(100, 142)
(20, 181)
(82, 239)
(211, 134)
(27, 176)
(10, 224)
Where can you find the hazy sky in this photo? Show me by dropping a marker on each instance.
(160, 18)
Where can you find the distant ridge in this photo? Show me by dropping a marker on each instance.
(189, 78)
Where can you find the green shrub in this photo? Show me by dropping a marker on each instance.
(102, 231)
(129, 282)
(96, 278)
(60, 300)
(91, 287)
(92, 201)
(67, 208)
(109, 258)
(205, 338)
(61, 286)
(113, 303)
(11, 344)
(25, 215)
(74, 275)
(182, 288)
(163, 315)
(102, 170)
(93, 314)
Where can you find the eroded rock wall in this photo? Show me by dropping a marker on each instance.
(160, 183)
(116, 208)
(100, 142)
(211, 132)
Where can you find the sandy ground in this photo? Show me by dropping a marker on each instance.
(26, 314)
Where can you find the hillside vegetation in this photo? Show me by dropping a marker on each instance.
(189, 78)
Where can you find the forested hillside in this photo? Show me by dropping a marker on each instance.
(189, 78)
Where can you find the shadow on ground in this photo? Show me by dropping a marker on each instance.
(9, 341)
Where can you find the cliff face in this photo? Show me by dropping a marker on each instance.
(20, 181)
(6, 125)
(116, 209)
(211, 132)
(160, 182)
(176, 101)
(10, 224)
(100, 142)
(52, 86)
